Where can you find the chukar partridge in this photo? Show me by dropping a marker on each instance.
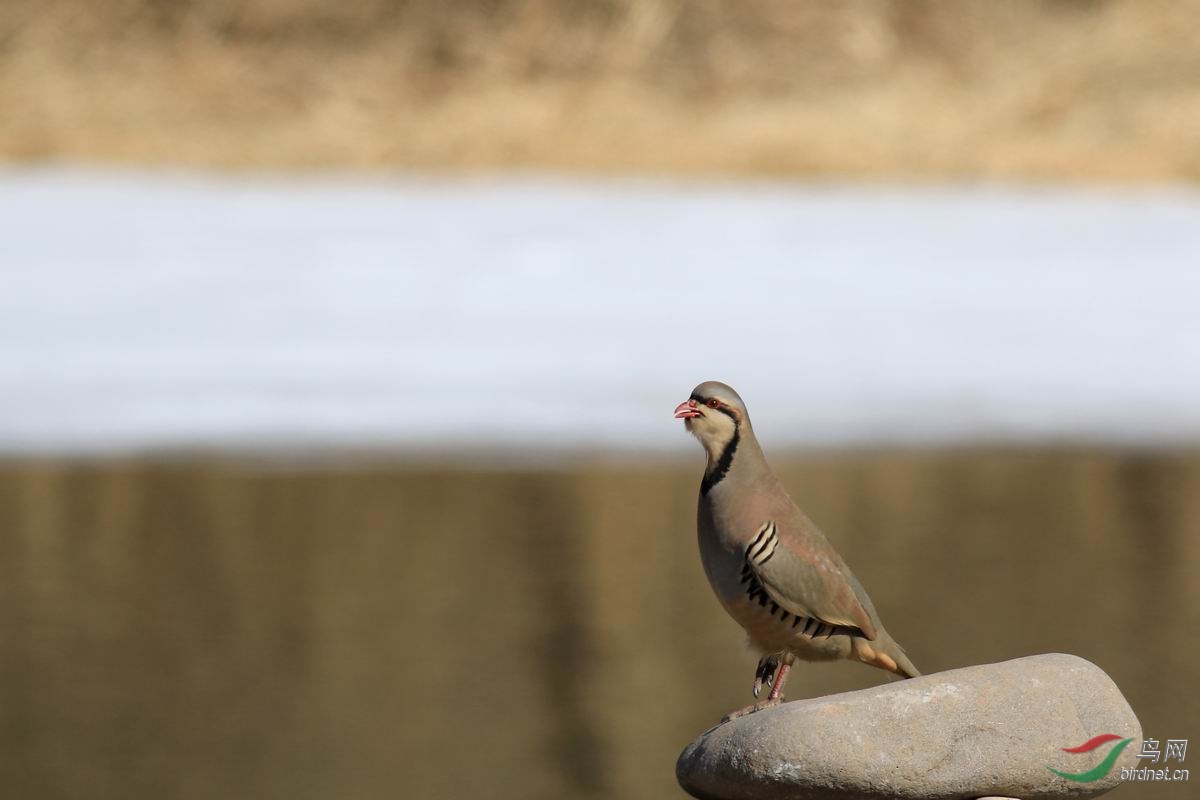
(772, 569)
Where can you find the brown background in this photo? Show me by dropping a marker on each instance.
(201, 627)
(906, 89)
(254, 629)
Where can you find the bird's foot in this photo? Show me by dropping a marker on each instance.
(750, 709)
(765, 674)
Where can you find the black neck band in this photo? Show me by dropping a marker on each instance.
(715, 475)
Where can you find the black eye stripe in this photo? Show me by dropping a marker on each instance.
(724, 409)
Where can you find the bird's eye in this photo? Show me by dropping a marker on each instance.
(713, 403)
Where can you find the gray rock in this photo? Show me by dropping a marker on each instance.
(990, 730)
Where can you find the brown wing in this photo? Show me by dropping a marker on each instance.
(804, 584)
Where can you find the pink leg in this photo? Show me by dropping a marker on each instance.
(774, 699)
(780, 678)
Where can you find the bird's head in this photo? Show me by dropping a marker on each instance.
(713, 414)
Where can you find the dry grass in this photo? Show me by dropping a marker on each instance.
(899, 89)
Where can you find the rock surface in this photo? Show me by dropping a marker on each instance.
(990, 730)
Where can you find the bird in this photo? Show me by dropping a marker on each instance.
(770, 567)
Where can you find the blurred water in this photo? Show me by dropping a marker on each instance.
(145, 310)
(223, 629)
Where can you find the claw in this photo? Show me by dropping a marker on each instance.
(765, 673)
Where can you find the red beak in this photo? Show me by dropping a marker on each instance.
(686, 410)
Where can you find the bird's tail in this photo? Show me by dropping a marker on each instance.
(885, 653)
(904, 665)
